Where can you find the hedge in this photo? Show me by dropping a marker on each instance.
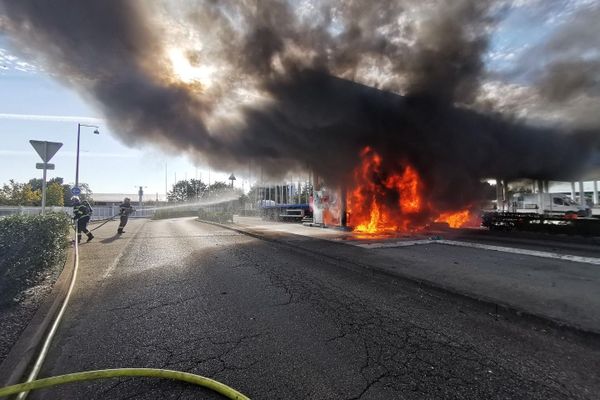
(31, 249)
(222, 217)
(164, 213)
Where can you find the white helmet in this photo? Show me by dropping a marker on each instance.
(75, 199)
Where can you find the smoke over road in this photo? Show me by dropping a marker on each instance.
(310, 86)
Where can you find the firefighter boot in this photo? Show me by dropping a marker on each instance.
(120, 230)
(90, 236)
(79, 238)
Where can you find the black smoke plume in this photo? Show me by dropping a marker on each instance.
(298, 88)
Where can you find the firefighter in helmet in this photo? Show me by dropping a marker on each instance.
(124, 210)
(82, 212)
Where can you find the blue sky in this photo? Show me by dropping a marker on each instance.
(29, 94)
(35, 106)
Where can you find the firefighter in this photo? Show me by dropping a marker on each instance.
(82, 211)
(124, 210)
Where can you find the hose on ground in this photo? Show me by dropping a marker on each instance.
(103, 223)
(208, 383)
(37, 366)
(32, 383)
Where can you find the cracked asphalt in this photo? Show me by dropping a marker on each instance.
(276, 322)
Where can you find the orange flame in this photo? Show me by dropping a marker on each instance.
(455, 219)
(383, 201)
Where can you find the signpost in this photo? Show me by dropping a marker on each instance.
(75, 191)
(46, 150)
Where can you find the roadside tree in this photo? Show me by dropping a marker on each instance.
(55, 195)
(185, 191)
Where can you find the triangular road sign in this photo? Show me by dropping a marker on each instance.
(46, 150)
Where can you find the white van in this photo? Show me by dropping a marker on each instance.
(555, 204)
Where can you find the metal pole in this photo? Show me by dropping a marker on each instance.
(343, 210)
(573, 191)
(44, 179)
(262, 186)
(77, 157)
(499, 195)
(596, 199)
(505, 193)
(541, 203)
(581, 194)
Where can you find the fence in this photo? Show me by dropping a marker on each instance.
(100, 212)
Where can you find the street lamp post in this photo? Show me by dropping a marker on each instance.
(78, 140)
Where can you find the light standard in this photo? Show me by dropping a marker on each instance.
(78, 139)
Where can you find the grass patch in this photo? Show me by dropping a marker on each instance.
(31, 249)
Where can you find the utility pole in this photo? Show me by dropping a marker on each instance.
(141, 196)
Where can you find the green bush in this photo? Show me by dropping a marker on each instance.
(221, 217)
(31, 249)
(164, 213)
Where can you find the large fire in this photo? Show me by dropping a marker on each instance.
(382, 201)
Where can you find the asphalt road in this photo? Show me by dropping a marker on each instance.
(276, 322)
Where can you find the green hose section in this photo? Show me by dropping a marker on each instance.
(208, 383)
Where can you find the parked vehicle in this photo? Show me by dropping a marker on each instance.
(550, 204)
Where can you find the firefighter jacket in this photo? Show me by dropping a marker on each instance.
(125, 209)
(81, 210)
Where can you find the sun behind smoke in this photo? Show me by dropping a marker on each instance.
(186, 72)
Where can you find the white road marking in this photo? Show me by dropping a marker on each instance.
(503, 249)
(534, 253)
(401, 243)
(117, 260)
(112, 267)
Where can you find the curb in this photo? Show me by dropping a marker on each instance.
(494, 306)
(22, 353)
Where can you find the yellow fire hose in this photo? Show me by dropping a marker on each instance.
(125, 372)
(33, 384)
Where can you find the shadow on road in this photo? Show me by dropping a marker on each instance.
(111, 239)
